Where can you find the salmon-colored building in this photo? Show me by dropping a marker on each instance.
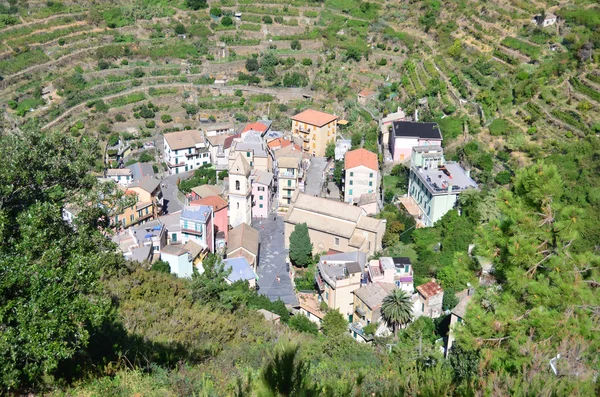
(220, 211)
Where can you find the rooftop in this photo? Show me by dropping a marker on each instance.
(218, 140)
(373, 294)
(461, 309)
(176, 250)
(310, 303)
(240, 166)
(262, 177)
(216, 202)
(184, 139)
(429, 289)
(314, 117)
(218, 126)
(333, 272)
(356, 256)
(258, 126)
(198, 213)
(118, 171)
(208, 190)
(243, 236)
(193, 248)
(288, 162)
(147, 183)
(252, 142)
(140, 170)
(366, 92)
(410, 129)
(450, 176)
(367, 198)
(358, 157)
(269, 316)
(240, 269)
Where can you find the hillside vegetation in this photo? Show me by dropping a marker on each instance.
(517, 103)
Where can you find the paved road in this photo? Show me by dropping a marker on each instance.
(314, 176)
(272, 262)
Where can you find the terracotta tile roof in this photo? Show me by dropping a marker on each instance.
(217, 202)
(208, 190)
(358, 157)
(366, 92)
(314, 117)
(256, 126)
(243, 236)
(429, 289)
(279, 143)
(184, 139)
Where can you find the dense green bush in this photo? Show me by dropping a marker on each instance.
(498, 127)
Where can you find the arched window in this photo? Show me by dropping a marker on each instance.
(237, 185)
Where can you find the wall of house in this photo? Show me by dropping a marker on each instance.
(359, 180)
(249, 255)
(174, 158)
(401, 147)
(180, 265)
(433, 207)
(368, 317)
(222, 222)
(318, 137)
(198, 232)
(286, 187)
(311, 316)
(321, 241)
(261, 200)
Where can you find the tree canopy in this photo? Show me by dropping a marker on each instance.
(300, 246)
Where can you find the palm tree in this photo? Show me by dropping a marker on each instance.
(396, 309)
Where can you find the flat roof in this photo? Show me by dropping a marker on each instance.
(410, 129)
(439, 180)
(314, 117)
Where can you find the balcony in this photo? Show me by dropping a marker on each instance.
(306, 138)
(198, 233)
(304, 130)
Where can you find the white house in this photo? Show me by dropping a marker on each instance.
(406, 135)
(544, 21)
(179, 260)
(123, 176)
(361, 174)
(185, 151)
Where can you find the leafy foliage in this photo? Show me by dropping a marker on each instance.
(300, 246)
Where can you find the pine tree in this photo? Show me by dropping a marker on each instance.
(300, 246)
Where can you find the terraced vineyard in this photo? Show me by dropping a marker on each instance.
(465, 64)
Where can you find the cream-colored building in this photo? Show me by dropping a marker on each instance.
(253, 148)
(361, 174)
(334, 225)
(289, 173)
(337, 277)
(316, 129)
(240, 192)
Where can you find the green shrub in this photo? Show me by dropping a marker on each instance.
(226, 21)
(498, 127)
(161, 266)
(267, 19)
(119, 118)
(166, 118)
(150, 124)
(216, 11)
(301, 323)
(307, 62)
(295, 45)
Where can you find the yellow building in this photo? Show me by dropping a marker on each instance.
(148, 205)
(316, 129)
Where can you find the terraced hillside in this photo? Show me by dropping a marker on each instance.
(483, 69)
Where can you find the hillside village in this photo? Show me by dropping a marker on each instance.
(269, 180)
(299, 198)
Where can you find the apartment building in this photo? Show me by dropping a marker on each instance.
(185, 151)
(435, 184)
(197, 225)
(337, 277)
(289, 175)
(123, 176)
(361, 174)
(397, 271)
(262, 193)
(316, 129)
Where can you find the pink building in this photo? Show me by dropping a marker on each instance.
(262, 193)
(407, 134)
(220, 216)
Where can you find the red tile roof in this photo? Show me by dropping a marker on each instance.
(366, 92)
(216, 202)
(314, 117)
(229, 140)
(355, 158)
(256, 126)
(429, 289)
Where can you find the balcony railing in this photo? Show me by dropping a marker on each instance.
(192, 231)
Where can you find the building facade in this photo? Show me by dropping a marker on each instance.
(197, 225)
(123, 176)
(240, 192)
(185, 151)
(435, 184)
(316, 129)
(361, 174)
(262, 193)
(289, 174)
(337, 277)
(406, 135)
